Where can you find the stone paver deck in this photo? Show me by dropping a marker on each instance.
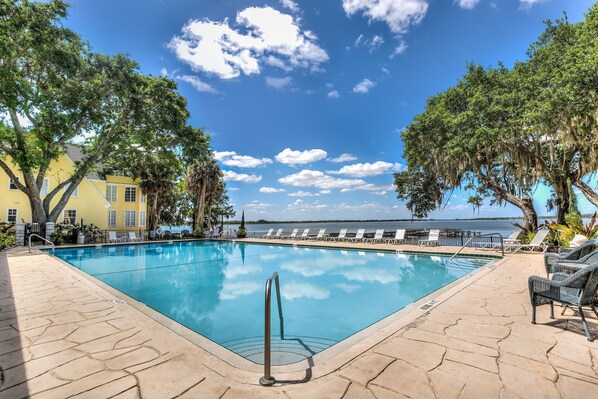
(63, 336)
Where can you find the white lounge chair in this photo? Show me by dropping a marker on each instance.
(432, 238)
(341, 236)
(133, 237)
(278, 234)
(304, 235)
(536, 242)
(377, 237)
(293, 234)
(112, 237)
(321, 235)
(399, 237)
(268, 234)
(358, 236)
(511, 239)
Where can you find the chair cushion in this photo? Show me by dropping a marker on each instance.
(577, 240)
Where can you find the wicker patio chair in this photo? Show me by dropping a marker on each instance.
(575, 290)
(574, 255)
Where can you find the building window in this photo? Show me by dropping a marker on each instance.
(143, 198)
(130, 218)
(111, 218)
(69, 216)
(130, 194)
(111, 191)
(11, 215)
(12, 185)
(141, 218)
(75, 191)
(44, 190)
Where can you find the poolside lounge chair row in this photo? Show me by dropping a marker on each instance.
(342, 236)
(132, 237)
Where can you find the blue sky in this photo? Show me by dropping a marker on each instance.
(305, 100)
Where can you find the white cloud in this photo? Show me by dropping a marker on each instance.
(220, 155)
(324, 192)
(215, 48)
(369, 187)
(399, 15)
(364, 86)
(400, 49)
(373, 44)
(303, 194)
(163, 71)
(315, 178)
(197, 84)
(290, 157)
(383, 192)
(271, 190)
(291, 5)
(229, 175)
(468, 4)
(333, 94)
(231, 158)
(530, 3)
(343, 158)
(278, 83)
(367, 169)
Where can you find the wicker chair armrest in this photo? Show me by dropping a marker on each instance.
(566, 268)
(564, 251)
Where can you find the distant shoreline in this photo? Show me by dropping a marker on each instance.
(381, 220)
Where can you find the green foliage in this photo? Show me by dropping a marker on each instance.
(567, 232)
(52, 78)
(93, 234)
(242, 221)
(7, 240)
(422, 191)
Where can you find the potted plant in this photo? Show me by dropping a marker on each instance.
(242, 233)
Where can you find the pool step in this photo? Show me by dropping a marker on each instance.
(289, 350)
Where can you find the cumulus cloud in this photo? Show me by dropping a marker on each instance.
(231, 158)
(234, 290)
(290, 4)
(468, 4)
(229, 175)
(197, 84)
(290, 157)
(343, 158)
(302, 193)
(364, 86)
(271, 190)
(333, 94)
(214, 47)
(315, 178)
(278, 83)
(398, 15)
(367, 169)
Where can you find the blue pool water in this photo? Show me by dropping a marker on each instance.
(217, 288)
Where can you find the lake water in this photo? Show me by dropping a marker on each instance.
(504, 227)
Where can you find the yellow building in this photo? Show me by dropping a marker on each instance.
(111, 203)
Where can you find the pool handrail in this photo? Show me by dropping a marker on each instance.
(43, 239)
(502, 246)
(268, 379)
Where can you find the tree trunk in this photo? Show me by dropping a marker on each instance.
(209, 216)
(201, 206)
(589, 193)
(530, 217)
(154, 213)
(561, 188)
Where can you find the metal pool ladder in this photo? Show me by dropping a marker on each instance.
(502, 246)
(267, 379)
(43, 239)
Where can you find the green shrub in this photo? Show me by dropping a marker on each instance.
(6, 240)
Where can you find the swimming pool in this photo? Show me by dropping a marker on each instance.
(217, 288)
